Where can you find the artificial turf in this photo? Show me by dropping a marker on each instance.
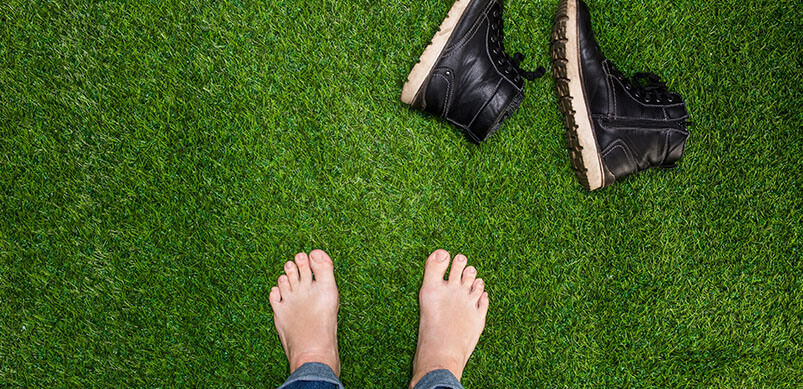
(159, 161)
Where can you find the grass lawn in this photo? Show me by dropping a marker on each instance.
(160, 160)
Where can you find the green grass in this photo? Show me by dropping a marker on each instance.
(159, 161)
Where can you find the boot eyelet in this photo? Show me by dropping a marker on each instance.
(493, 39)
(495, 50)
(518, 78)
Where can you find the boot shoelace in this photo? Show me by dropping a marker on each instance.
(645, 86)
(509, 65)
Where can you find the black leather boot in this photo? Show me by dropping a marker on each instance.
(615, 126)
(464, 75)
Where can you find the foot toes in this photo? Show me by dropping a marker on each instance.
(436, 267)
(477, 288)
(275, 297)
(322, 267)
(284, 286)
(456, 272)
(292, 273)
(302, 263)
(483, 303)
(468, 277)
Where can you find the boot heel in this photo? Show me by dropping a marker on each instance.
(422, 69)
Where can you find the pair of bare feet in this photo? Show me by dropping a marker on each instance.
(306, 301)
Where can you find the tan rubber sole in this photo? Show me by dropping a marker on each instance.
(423, 68)
(568, 76)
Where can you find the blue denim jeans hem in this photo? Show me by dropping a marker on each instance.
(312, 375)
(316, 375)
(439, 379)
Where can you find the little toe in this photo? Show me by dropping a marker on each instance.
(275, 297)
(292, 273)
(456, 272)
(435, 267)
(302, 263)
(483, 304)
(322, 267)
(469, 274)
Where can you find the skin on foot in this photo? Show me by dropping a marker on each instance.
(305, 305)
(452, 316)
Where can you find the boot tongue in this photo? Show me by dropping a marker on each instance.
(651, 85)
(650, 82)
(516, 62)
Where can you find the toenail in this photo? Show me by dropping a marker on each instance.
(472, 270)
(461, 258)
(441, 256)
(316, 257)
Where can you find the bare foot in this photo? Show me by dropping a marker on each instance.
(305, 311)
(452, 316)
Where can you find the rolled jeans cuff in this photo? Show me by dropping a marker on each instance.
(440, 379)
(312, 372)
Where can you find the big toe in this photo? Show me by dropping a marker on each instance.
(436, 267)
(322, 267)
